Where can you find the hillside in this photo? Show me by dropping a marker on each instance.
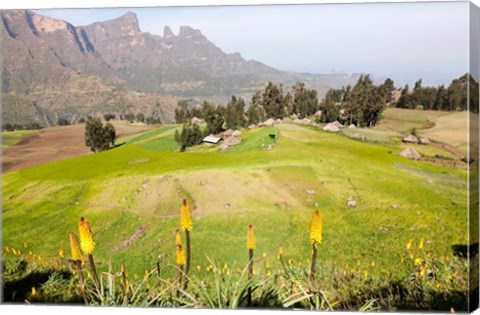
(54, 69)
(24, 148)
(139, 186)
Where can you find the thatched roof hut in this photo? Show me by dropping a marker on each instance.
(410, 153)
(331, 128)
(410, 139)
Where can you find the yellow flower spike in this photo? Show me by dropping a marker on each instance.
(181, 259)
(225, 266)
(411, 255)
(7, 249)
(373, 263)
(422, 271)
(280, 251)
(14, 251)
(290, 261)
(316, 228)
(418, 261)
(409, 244)
(199, 268)
(86, 238)
(185, 216)
(60, 252)
(25, 244)
(264, 255)
(34, 291)
(178, 237)
(365, 274)
(420, 245)
(250, 237)
(268, 273)
(75, 248)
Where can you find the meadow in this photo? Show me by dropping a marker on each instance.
(131, 195)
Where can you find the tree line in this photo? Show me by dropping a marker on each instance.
(361, 104)
(451, 98)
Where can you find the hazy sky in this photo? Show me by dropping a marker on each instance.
(376, 38)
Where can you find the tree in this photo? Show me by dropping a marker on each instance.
(404, 100)
(98, 137)
(235, 113)
(388, 87)
(63, 122)
(273, 101)
(190, 135)
(305, 101)
(129, 117)
(140, 117)
(108, 116)
(214, 118)
(110, 133)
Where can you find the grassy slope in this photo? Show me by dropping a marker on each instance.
(10, 138)
(142, 184)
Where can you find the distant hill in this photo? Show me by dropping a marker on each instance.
(52, 69)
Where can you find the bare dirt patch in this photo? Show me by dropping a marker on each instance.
(139, 232)
(56, 143)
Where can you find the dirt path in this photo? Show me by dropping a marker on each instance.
(56, 143)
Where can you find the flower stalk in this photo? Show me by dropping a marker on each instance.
(315, 239)
(77, 259)
(186, 225)
(251, 243)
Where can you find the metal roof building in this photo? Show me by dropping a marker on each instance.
(211, 139)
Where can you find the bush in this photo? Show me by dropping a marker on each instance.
(63, 122)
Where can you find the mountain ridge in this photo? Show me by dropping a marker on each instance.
(42, 55)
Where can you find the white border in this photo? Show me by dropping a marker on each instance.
(50, 4)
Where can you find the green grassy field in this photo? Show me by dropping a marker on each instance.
(142, 183)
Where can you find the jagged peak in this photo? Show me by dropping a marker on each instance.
(187, 30)
(167, 32)
(125, 25)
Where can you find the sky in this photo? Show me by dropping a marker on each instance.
(378, 38)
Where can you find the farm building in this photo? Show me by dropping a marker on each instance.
(212, 139)
(331, 128)
(410, 139)
(410, 153)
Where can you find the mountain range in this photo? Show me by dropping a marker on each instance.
(53, 69)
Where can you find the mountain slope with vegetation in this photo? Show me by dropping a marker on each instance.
(52, 68)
